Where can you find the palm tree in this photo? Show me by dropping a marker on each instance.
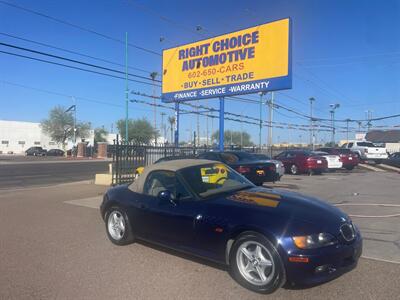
(172, 121)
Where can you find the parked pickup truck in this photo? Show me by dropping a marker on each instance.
(367, 150)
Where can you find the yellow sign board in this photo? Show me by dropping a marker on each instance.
(246, 61)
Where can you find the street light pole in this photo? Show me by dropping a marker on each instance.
(347, 130)
(332, 111)
(74, 121)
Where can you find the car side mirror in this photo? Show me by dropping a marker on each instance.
(166, 196)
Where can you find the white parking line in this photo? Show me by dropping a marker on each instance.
(379, 259)
(389, 167)
(92, 202)
(369, 167)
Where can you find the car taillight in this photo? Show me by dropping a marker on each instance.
(243, 169)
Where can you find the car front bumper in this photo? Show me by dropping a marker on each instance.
(324, 264)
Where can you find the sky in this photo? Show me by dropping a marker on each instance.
(345, 52)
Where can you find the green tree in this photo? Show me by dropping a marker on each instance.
(139, 130)
(100, 135)
(60, 126)
(234, 138)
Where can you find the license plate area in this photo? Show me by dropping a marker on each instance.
(260, 172)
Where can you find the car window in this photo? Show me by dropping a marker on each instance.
(211, 179)
(158, 181)
(351, 145)
(344, 151)
(291, 155)
(281, 155)
(365, 144)
(229, 158)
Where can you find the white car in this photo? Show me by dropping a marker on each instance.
(334, 161)
(367, 150)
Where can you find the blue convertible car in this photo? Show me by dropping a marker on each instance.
(266, 237)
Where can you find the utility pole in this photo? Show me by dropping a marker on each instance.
(153, 76)
(198, 123)
(332, 111)
(207, 133)
(271, 110)
(127, 88)
(312, 139)
(260, 125)
(164, 132)
(347, 130)
(369, 117)
(241, 131)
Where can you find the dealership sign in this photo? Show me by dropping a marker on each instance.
(256, 59)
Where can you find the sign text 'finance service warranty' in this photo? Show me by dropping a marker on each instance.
(257, 59)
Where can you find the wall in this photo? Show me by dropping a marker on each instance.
(22, 135)
(392, 147)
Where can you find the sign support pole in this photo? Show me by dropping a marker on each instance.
(221, 122)
(176, 124)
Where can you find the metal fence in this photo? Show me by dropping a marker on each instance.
(127, 157)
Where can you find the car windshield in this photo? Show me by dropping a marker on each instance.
(344, 151)
(245, 156)
(212, 179)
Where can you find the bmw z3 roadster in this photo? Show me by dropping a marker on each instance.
(266, 237)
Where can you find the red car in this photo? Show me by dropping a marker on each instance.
(302, 161)
(348, 158)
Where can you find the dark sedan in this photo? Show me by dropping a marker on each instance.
(55, 152)
(253, 168)
(35, 151)
(265, 237)
(393, 160)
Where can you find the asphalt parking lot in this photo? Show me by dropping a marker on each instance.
(53, 245)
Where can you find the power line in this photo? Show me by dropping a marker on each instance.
(73, 52)
(72, 67)
(78, 27)
(65, 95)
(73, 61)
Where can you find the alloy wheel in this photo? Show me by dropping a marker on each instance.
(116, 225)
(255, 263)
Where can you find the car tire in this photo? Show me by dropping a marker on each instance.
(118, 227)
(349, 168)
(294, 170)
(256, 264)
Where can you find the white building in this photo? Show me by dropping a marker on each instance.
(16, 137)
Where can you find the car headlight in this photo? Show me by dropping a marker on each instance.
(314, 241)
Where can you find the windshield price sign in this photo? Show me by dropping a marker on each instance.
(251, 60)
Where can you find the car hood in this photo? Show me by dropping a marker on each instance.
(290, 204)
